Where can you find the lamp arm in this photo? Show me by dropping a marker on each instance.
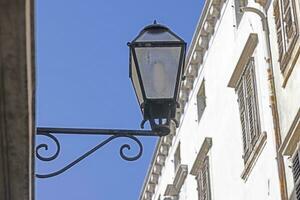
(114, 134)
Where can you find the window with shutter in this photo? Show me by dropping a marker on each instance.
(201, 101)
(177, 158)
(246, 91)
(238, 4)
(289, 21)
(203, 181)
(296, 173)
(278, 29)
(286, 29)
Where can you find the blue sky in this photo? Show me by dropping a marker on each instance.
(82, 81)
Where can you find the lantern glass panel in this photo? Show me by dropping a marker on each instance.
(157, 35)
(159, 68)
(135, 81)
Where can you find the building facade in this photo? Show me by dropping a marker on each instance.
(239, 115)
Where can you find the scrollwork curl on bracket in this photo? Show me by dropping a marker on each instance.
(128, 147)
(45, 147)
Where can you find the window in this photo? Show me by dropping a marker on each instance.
(203, 181)
(200, 170)
(173, 191)
(201, 100)
(177, 158)
(296, 173)
(246, 91)
(238, 4)
(286, 29)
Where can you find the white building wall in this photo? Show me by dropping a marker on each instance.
(221, 119)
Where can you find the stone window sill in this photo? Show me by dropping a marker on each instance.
(180, 176)
(261, 142)
(244, 52)
(292, 137)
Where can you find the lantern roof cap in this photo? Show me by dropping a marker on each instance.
(155, 26)
(157, 33)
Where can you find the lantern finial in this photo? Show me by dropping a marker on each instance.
(155, 22)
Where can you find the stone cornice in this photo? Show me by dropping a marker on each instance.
(200, 44)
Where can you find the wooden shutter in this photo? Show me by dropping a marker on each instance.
(201, 100)
(238, 13)
(296, 173)
(204, 181)
(243, 116)
(289, 22)
(278, 29)
(251, 102)
(246, 91)
(243, 3)
(177, 158)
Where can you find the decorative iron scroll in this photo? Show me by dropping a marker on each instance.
(50, 132)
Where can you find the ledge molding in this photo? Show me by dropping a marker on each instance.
(205, 147)
(243, 58)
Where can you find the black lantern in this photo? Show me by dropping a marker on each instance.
(156, 66)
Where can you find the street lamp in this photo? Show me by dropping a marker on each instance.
(156, 65)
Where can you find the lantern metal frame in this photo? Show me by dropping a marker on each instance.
(157, 130)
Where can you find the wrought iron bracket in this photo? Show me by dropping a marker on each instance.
(112, 133)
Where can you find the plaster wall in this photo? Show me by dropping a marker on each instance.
(288, 99)
(221, 121)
